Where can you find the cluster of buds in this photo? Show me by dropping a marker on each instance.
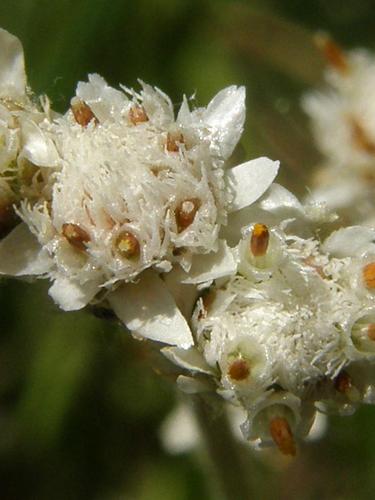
(122, 203)
(343, 122)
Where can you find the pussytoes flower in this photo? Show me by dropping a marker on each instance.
(134, 191)
(291, 331)
(343, 121)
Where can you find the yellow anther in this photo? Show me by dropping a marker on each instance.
(128, 245)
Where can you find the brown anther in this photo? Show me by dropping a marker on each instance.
(239, 370)
(310, 261)
(75, 235)
(128, 245)
(260, 237)
(368, 273)
(282, 436)
(207, 300)
(332, 52)
(371, 331)
(137, 114)
(185, 213)
(360, 138)
(82, 113)
(174, 142)
(343, 382)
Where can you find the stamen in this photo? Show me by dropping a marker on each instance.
(82, 113)
(371, 331)
(259, 240)
(185, 213)
(360, 138)
(174, 142)
(282, 435)
(128, 245)
(239, 369)
(137, 114)
(343, 383)
(368, 273)
(332, 52)
(75, 235)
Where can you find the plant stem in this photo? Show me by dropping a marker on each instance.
(225, 452)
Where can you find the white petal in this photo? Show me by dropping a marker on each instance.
(21, 254)
(351, 241)
(148, 309)
(213, 265)
(71, 296)
(190, 385)
(38, 148)
(225, 114)
(12, 66)
(184, 295)
(277, 197)
(250, 180)
(190, 359)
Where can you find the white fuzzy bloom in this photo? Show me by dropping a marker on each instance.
(288, 331)
(343, 121)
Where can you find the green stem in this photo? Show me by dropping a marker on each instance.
(225, 452)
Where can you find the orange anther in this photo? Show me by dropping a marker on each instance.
(259, 240)
(82, 112)
(75, 235)
(332, 52)
(137, 114)
(368, 273)
(239, 369)
(185, 213)
(128, 245)
(282, 435)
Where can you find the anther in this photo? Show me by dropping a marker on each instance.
(185, 213)
(239, 370)
(75, 235)
(82, 113)
(343, 383)
(360, 138)
(128, 245)
(259, 240)
(371, 331)
(368, 273)
(332, 52)
(282, 436)
(174, 142)
(137, 114)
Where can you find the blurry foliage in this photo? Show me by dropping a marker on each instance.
(80, 405)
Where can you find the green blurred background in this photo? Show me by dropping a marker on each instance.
(80, 406)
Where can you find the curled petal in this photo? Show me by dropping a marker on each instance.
(213, 265)
(12, 66)
(148, 309)
(350, 242)
(190, 359)
(71, 296)
(21, 254)
(225, 114)
(250, 180)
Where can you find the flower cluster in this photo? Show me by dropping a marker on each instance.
(291, 330)
(124, 203)
(343, 122)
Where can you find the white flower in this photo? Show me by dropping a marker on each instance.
(19, 177)
(286, 332)
(343, 122)
(136, 188)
